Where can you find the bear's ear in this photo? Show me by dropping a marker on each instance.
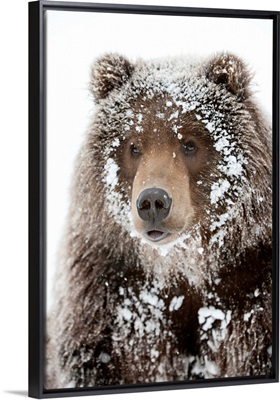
(109, 72)
(230, 72)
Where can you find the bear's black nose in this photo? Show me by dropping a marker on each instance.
(153, 205)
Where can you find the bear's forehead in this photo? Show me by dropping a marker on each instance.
(171, 101)
(161, 117)
(170, 88)
(154, 82)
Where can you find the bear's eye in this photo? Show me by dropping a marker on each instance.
(134, 150)
(189, 147)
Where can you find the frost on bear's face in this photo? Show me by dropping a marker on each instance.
(175, 154)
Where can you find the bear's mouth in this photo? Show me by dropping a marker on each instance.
(156, 236)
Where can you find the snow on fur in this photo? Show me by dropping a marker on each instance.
(135, 311)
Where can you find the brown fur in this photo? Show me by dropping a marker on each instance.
(127, 311)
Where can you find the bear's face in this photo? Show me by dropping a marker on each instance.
(164, 167)
(173, 150)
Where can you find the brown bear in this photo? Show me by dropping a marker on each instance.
(165, 270)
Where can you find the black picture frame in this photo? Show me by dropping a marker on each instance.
(37, 194)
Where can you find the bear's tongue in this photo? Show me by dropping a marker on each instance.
(154, 235)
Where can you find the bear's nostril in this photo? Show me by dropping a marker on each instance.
(145, 205)
(159, 204)
(153, 205)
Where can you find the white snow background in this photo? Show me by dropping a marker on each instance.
(74, 40)
(14, 195)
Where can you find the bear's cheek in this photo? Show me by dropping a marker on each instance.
(161, 198)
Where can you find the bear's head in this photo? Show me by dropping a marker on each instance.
(181, 143)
